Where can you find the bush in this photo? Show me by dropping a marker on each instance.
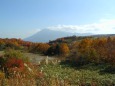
(14, 64)
(2, 62)
(11, 53)
(13, 61)
(2, 75)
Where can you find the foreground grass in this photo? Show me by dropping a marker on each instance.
(60, 74)
(84, 76)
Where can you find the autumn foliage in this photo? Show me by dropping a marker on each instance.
(14, 64)
(14, 44)
(97, 50)
(86, 50)
(40, 48)
(12, 61)
(64, 49)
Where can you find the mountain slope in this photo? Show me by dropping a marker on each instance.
(45, 35)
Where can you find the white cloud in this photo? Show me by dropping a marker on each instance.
(104, 26)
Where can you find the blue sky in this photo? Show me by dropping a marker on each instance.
(22, 18)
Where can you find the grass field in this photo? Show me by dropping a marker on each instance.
(90, 75)
(64, 74)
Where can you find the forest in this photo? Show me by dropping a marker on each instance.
(77, 61)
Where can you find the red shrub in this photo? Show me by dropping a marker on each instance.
(14, 64)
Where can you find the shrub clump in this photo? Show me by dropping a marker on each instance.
(14, 64)
(11, 53)
(12, 61)
(2, 75)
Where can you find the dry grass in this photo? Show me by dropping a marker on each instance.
(51, 73)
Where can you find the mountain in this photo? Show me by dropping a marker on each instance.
(46, 34)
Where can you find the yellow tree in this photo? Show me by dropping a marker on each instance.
(64, 49)
(42, 47)
(86, 53)
(101, 49)
(111, 50)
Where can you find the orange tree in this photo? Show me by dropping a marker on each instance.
(99, 45)
(110, 45)
(64, 49)
(85, 51)
(42, 48)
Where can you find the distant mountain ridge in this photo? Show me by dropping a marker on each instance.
(72, 39)
(46, 35)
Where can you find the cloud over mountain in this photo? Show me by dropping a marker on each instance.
(104, 26)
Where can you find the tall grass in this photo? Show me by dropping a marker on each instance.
(53, 73)
(57, 75)
(68, 76)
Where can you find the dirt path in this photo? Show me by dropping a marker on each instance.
(36, 58)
